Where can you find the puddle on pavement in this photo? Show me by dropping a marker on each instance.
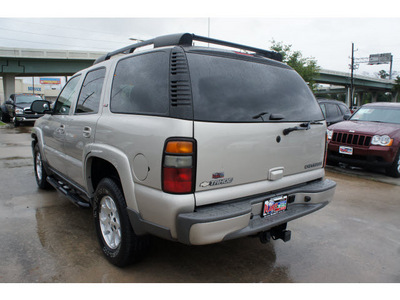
(67, 234)
(16, 162)
(11, 129)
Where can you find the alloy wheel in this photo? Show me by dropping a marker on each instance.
(110, 222)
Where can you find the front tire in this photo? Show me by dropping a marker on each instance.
(40, 172)
(16, 123)
(5, 117)
(394, 169)
(119, 243)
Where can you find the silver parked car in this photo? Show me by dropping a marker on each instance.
(192, 144)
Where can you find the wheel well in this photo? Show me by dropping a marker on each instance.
(100, 169)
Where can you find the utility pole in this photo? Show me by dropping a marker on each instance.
(352, 78)
(391, 62)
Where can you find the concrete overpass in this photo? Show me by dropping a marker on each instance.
(361, 84)
(18, 62)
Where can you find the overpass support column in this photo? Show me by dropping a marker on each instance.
(8, 85)
(395, 96)
(360, 100)
(374, 96)
(348, 100)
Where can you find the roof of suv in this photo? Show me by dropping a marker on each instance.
(187, 39)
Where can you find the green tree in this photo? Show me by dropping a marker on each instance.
(307, 67)
(383, 74)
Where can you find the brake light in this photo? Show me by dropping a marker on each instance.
(178, 167)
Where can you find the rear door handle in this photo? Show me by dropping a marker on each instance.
(87, 132)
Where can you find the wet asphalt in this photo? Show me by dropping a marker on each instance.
(45, 238)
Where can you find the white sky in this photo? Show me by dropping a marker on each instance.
(320, 29)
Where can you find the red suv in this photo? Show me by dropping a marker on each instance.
(370, 138)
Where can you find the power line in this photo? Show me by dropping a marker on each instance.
(59, 36)
(57, 44)
(65, 27)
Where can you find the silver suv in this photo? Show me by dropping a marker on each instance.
(192, 144)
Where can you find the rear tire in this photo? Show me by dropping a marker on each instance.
(40, 172)
(394, 169)
(118, 241)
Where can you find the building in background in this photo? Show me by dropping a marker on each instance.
(47, 87)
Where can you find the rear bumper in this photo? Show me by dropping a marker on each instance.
(217, 222)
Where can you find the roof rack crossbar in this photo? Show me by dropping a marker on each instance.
(186, 39)
(127, 49)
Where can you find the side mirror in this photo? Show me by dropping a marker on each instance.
(9, 101)
(41, 106)
(346, 117)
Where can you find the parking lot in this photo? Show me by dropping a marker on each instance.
(45, 238)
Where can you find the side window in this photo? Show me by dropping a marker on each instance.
(89, 98)
(66, 96)
(332, 110)
(140, 85)
(344, 109)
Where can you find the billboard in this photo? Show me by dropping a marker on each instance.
(378, 59)
(50, 81)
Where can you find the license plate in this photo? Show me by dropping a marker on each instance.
(346, 150)
(275, 205)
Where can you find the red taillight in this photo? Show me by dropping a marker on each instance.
(177, 180)
(178, 167)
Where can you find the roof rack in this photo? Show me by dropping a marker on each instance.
(186, 39)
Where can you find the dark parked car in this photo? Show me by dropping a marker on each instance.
(18, 108)
(334, 111)
(371, 138)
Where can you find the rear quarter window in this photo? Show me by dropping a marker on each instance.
(140, 85)
(235, 90)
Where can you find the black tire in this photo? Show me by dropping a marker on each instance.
(5, 117)
(39, 170)
(394, 169)
(119, 243)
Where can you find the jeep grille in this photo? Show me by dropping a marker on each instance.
(351, 139)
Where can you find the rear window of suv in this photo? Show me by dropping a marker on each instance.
(235, 90)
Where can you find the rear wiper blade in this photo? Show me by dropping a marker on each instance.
(260, 115)
(273, 117)
(302, 126)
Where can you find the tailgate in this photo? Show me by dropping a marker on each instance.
(243, 153)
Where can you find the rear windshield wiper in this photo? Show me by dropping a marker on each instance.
(260, 115)
(302, 126)
(274, 117)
